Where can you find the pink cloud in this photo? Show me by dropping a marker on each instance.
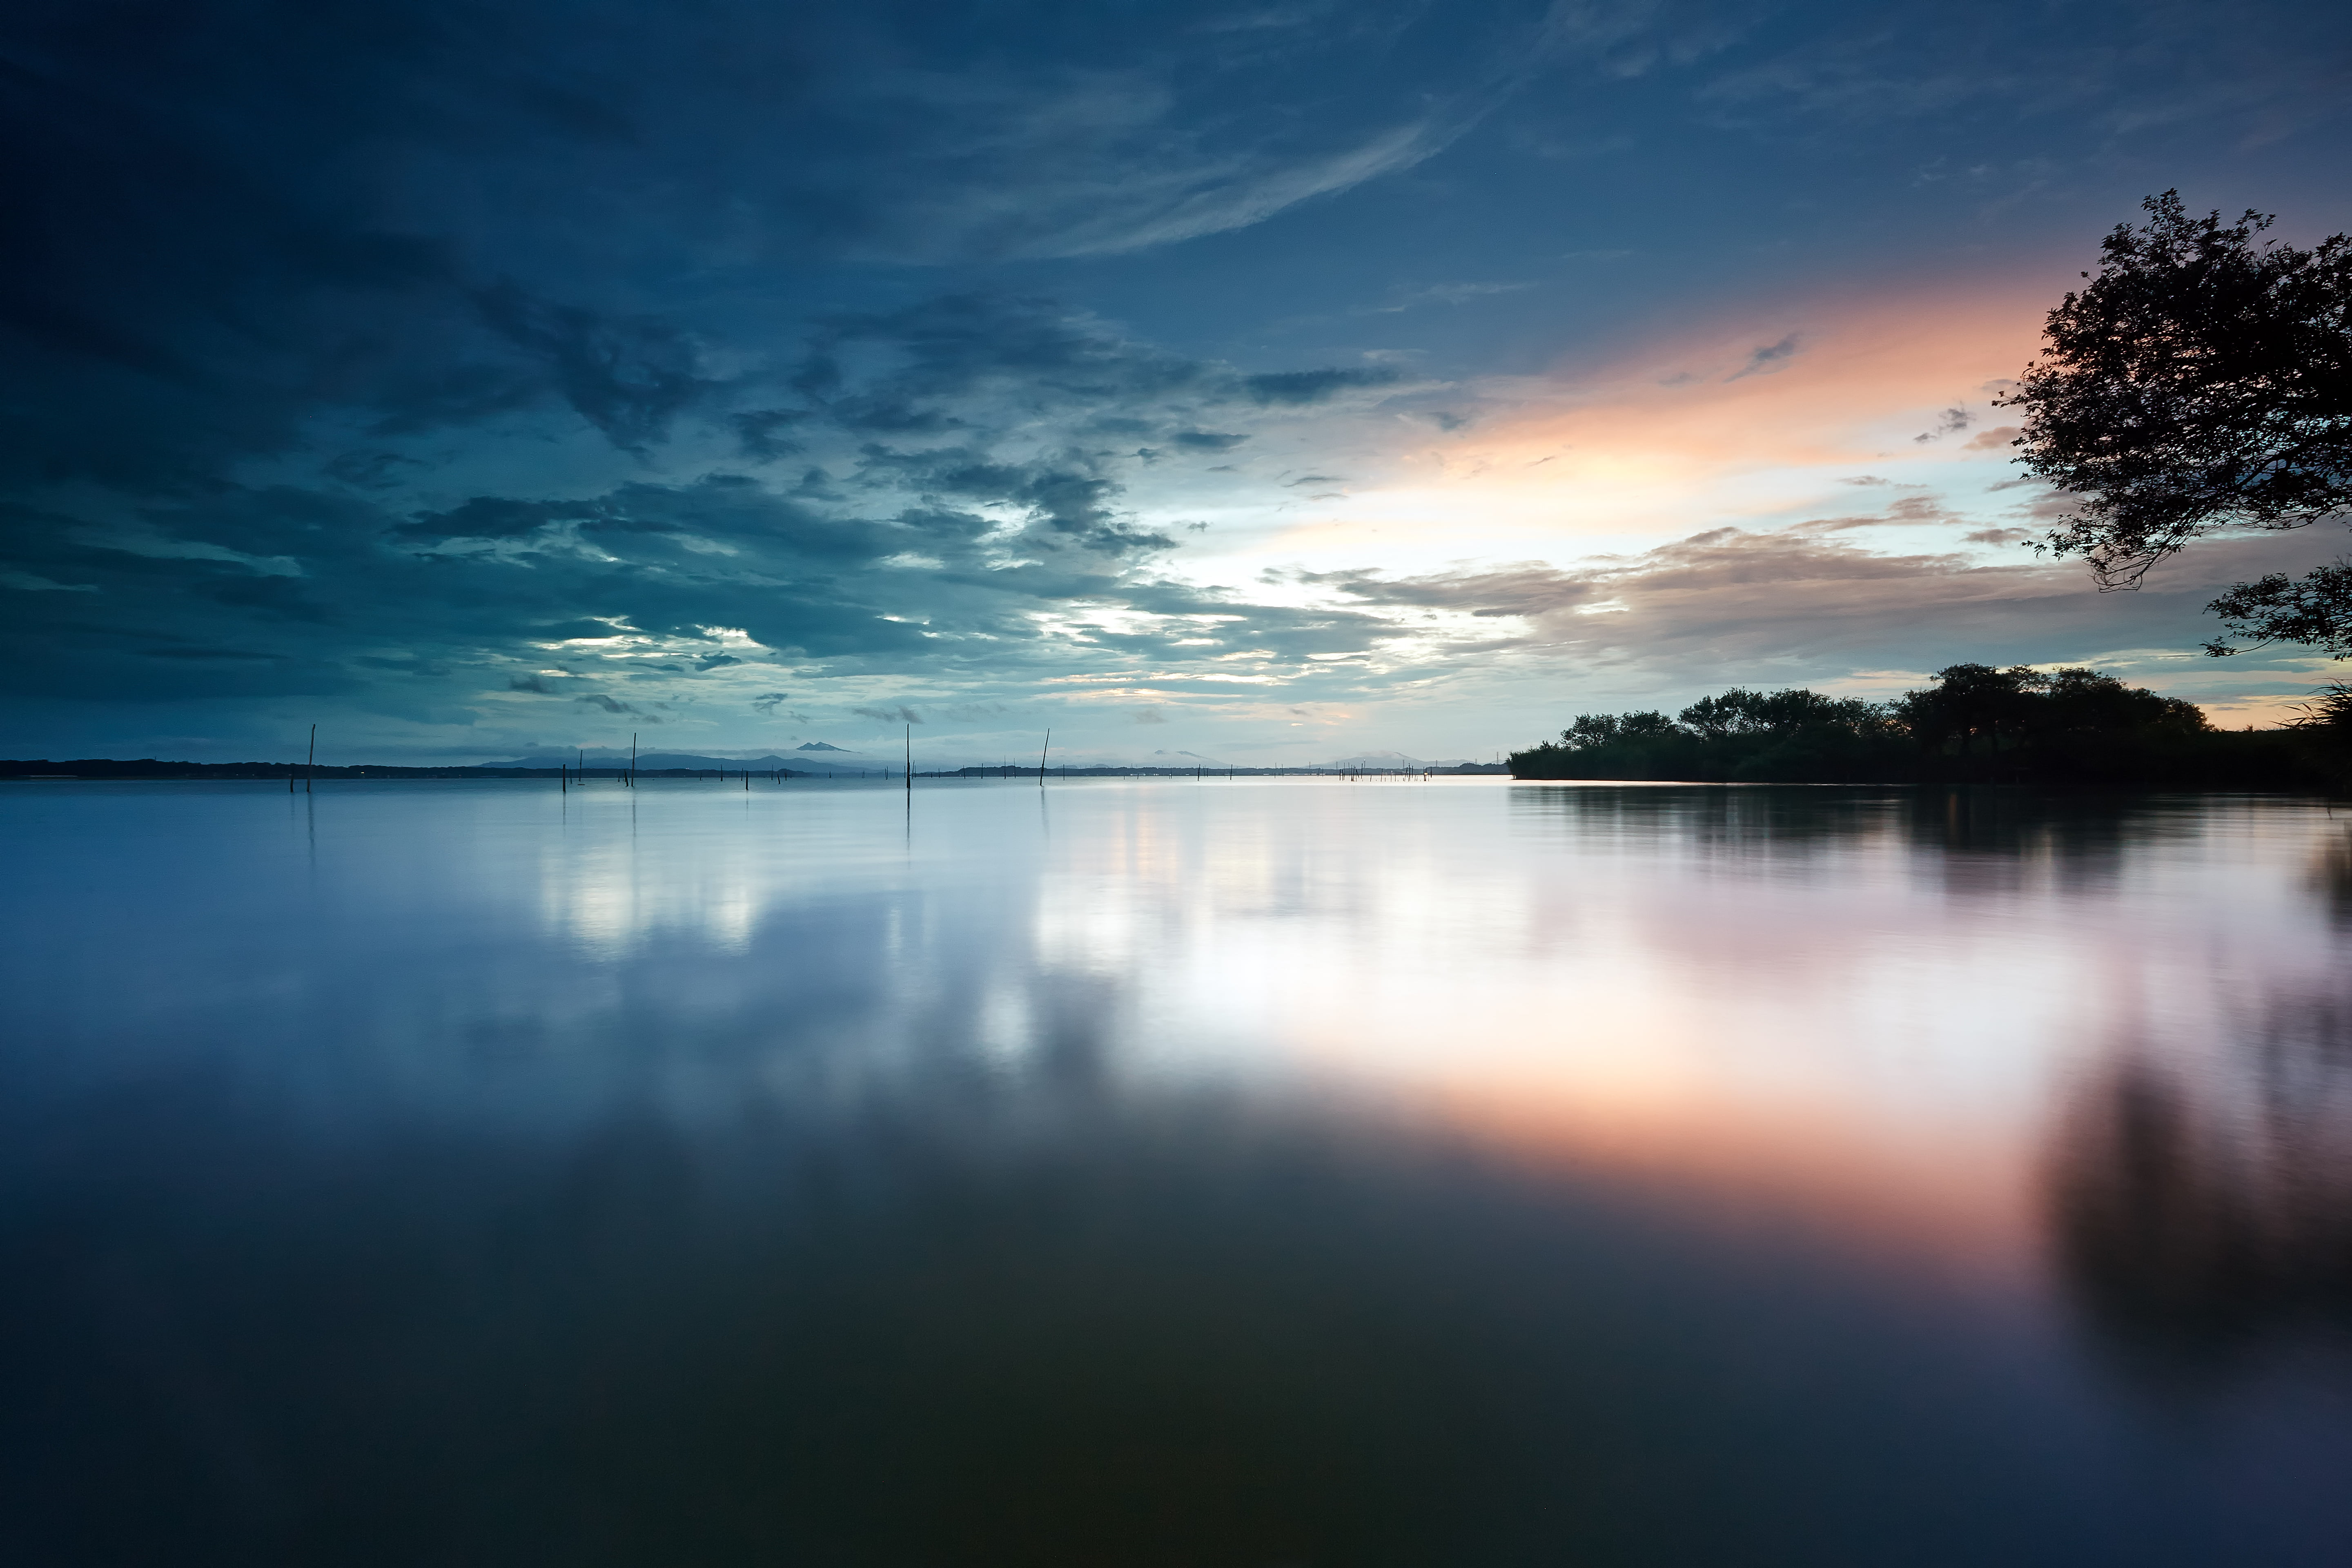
(1743, 419)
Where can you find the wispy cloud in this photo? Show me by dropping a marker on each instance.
(1768, 358)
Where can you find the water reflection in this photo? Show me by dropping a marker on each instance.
(985, 1324)
(1981, 820)
(2331, 873)
(2202, 1208)
(1338, 1175)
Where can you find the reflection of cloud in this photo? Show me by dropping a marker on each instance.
(1163, 1155)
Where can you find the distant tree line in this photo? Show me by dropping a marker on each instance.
(151, 768)
(1974, 724)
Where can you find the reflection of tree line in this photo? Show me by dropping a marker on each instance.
(2194, 1217)
(2191, 1215)
(2077, 830)
(2331, 878)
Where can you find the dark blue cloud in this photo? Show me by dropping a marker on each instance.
(225, 215)
(1769, 357)
(1299, 387)
(931, 547)
(388, 356)
(628, 378)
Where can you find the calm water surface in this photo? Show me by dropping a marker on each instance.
(1454, 1173)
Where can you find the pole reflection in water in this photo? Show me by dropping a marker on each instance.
(1470, 1174)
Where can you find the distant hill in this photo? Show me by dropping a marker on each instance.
(1384, 762)
(830, 761)
(657, 762)
(1397, 761)
(155, 768)
(824, 759)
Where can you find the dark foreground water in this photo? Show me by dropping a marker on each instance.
(1302, 1173)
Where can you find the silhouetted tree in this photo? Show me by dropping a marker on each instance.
(1739, 735)
(1743, 712)
(1975, 723)
(1968, 700)
(2083, 701)
(2202, 380)
(1603, 728)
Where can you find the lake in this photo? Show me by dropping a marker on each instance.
(1277, 1171)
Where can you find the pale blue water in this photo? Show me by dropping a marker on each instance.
(1295, 1172)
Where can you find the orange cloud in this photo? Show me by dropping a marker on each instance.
(1743, 420)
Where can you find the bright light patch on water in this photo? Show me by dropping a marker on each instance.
(1190, 1173)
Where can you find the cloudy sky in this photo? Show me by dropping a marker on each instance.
(1266, 381)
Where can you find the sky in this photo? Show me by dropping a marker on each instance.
(1252, 382)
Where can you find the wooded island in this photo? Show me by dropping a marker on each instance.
(1974, 724)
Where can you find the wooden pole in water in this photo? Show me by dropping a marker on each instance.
(310, 768)
(1041, 755)
(910, 759)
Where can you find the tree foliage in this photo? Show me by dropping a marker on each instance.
(1794, 734)
(1968, 702)
(1974, 723)
(1744, 712)
(2202, 380)
(2022, 706)
(2314, 609)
